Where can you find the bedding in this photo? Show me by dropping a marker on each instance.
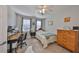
(45, 37)
(29, 50)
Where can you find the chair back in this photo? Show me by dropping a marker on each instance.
(20, 38)
(25, 36)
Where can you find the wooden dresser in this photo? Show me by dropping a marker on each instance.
(68, 39)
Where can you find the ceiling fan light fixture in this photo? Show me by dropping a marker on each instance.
(42, 10)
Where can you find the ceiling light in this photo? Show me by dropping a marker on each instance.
(42, 9)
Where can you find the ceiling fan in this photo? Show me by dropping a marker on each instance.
(43, 9)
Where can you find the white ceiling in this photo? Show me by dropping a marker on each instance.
(32, 10)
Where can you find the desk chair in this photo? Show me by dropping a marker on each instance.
(19, 40)
(23, 42)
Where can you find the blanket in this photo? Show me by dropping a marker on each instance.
(44, 37)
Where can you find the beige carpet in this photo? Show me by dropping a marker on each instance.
(37, 47)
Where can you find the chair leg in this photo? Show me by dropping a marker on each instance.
(25, 43)
(21, 46)
(15, 50)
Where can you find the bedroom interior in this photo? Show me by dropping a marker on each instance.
(40, 28)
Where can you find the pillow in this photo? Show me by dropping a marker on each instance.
(67, 27)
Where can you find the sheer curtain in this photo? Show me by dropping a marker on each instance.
(41, 24)
(38, 24)
(19, 20)
(26, 25)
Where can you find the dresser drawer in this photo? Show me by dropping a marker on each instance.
(68, 39)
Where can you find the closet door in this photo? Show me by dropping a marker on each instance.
(3, 29)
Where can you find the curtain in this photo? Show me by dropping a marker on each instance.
(33, 24)
(43, 24)
(19, 21)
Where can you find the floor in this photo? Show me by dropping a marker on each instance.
(37, 47)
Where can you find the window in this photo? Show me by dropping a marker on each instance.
(38, 24)
(26, 25)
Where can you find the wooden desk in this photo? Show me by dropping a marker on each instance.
(12, 39)
(14, 36)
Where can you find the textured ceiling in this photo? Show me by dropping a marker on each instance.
(32, 10)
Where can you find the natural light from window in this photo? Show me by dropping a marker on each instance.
(38, 24)
(26, 25)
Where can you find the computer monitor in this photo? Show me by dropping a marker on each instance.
(9, 28)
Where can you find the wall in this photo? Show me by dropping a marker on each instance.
(3, 28)
(58, 18)
(11, 17)
(58, 14)
(19, 22)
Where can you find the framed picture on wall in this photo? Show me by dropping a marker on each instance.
(67, 19)
(50, 22)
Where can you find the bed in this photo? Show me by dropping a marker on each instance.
(45, 37)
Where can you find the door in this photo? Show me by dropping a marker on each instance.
(3, 29)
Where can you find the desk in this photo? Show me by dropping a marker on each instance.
(14, 36)
(12, 39)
